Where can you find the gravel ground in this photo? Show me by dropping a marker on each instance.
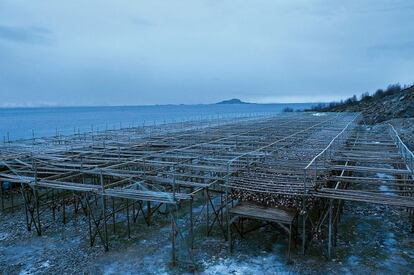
(373, 239)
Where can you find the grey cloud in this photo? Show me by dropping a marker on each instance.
(29, 35)
(402, 49)
(204, 51)
(142, 22)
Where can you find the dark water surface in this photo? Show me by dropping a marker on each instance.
(16, 123)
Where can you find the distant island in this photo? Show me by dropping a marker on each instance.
(232, 101)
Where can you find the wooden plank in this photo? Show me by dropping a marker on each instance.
(274, 214)
(370, 169)
(146, 195)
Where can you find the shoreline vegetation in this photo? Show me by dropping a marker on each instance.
(393, 105)
(395, 101)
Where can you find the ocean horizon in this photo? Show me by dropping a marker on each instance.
(26, 122)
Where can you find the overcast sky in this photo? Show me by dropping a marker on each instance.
(201, 51)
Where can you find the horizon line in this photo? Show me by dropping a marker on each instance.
(7, 106)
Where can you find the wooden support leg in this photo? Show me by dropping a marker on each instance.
(227, 216)
(241, 227)
(330, 231)
(207, 211)
(2, 196)
(290, 241)
(106, 243)
(12, 200)
(89, 222)
(113, 215)
(149, 212)
(64, 211)
(75, 203)
(222, 208)
(26, 207)
(37, 205)
(229, 237)
(173, 240)
(128, 223)
(304, 217)
(133, 212)
(412, 221)
(335, 224)
(53, 206)
(191, 226)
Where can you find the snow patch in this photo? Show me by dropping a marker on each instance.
(386, 190)
(384, 176)
(353, 260)
(118, 268)
(3, 236)
(256, 265)
(45, 264)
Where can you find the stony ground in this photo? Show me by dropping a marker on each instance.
(405, 128)
(372, 239)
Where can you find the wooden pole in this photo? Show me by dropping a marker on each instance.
(103, 205)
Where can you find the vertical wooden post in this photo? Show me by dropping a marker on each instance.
(226, 198)
(26, 207)
(191, 225)
(290, 240)
(133, 211)
(148, 212)
(103, 202)
(128, 223)
(173, 240)
(88, 207)
(37, 204)
(412, 220)
(304, 214)
(330, 230)
(1, 196)
(64, 211)
(207, 210)
(113, 214)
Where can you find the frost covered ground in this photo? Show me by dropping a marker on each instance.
(372, 239)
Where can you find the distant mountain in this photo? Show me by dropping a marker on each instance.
(232, 101)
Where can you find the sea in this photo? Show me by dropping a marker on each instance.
(23, 123)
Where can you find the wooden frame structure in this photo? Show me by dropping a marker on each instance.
(373, 166)
(285, 161)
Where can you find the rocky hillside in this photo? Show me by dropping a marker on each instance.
(405, 128)
(380, 107)
(394, 106)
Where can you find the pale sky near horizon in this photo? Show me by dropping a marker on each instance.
(201, 51)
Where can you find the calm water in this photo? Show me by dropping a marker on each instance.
(16, 123)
